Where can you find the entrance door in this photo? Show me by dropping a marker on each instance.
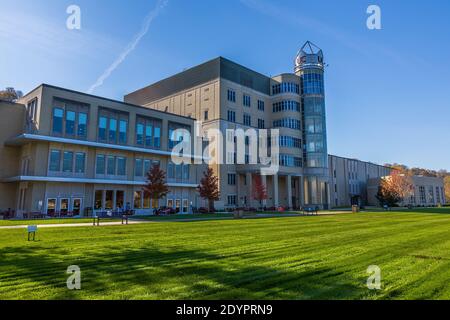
(76, 206)
(178, 205)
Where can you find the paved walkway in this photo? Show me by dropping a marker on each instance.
(137, 221)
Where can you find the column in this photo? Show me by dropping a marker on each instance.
(264, 182)
(289, 190)
(301, 194)
(276, 200)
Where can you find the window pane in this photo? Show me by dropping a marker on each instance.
(58, 120)
(121, 166)
(157, 137)
(80, 160)
(51, 206)
(68, 161)
(112, 130)
(123, 131)
(100, 164)
(82, 124)
(147, 164)
(120, 198)
(111, 170)
(138, 168)
(147, 201)
(55, 160)
(98, 200)
(102, 123)
(148, 135)
(140, 134)
(137, 200)
(109, 196)
(70, 122)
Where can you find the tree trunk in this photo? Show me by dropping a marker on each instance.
(211, 206)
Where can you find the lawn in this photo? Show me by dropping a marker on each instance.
(6, 223)
(324, 257)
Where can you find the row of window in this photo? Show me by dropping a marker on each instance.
(70, 123)
(288, 123)
(285, 87)
(312, 83)
(67, 161)
(112, 127)
(286, 105)
(178, 171)
(290, 142)
(246, 99)
(290, 161)
(148, 133)
(111, 165)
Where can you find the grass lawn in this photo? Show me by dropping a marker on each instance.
(5, 223)
(324, 257)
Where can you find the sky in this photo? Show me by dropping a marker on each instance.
(387, 91)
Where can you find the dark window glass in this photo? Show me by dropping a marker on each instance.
(111, 169)
(80, 160)
(138, 168)
(98, 199)
(82, 124)
(123, 131)
(100, 164)
(157, 137)
(140, 134)
(112, 130)
(58, 120)
(102, 124)
(68, 161)
(55, 160)
(148, 135)
(70, 122)
(121, 166)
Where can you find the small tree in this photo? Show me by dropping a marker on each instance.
(209, 188)
(10, 94)
(156, 185)
(259, 191)
(394, 189)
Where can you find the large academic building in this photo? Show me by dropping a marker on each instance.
(67, 151)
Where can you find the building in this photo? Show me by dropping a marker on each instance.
(349, 179)
(225, 95)
(426, 192)
(66, 151)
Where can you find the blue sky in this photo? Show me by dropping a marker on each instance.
(388, 91)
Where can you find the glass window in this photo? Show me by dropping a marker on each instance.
(112, 130)
(111, 169)
(68, 161)
(140, 134)
(102, 124)
(138, 168)
(109, 198)
(137, 200)
(76, 206)
(100, 164)
(64, 205)
(82, 124)
(148, 135)
(51, 206)
(58, 120)
(123, 131)
(98, 199)
(147, 201)
(121, 166)
(186, 172)
(171, 170)
(70, 122)
(147, 166)
(157, 137)
(178, 172)
(55, 160)
(80, 160)
(120, 199)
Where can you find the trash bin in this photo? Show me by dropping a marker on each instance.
(355, 208)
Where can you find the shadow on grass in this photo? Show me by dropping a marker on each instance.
(149, 273)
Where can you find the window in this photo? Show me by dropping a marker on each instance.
(80, 162)
(147, 166)
(231, 116)
(290, 161)
(55, 160)
(148, 132)
(287, 123)
(102, 124)
(205, 116)
(246, 100)
(64, 205)
(148, 135)
(32, 109)
(261, 124)
(68, 161)
(185, 206)
(111, 168)
(138, 168)
(140, 134)
(120, 199)
(70, 123)
(112, 136)
(232, 200)
(121, 166)
(261, 105)
(51, 206)
(100, 168)
(109, 199)
(98, 200)
(123, 125)
(137, 200)
(247, 120)
(231, 95)
(286, 105)
(157, 137)
(58, 114)
(147, 200)
(286, 87)
(232, 179)
(82, 124)
(186, 172)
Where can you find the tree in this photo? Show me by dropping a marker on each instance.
(156, 185)
(209, 188)
(259, 191)
(10, 95)
(447, 188)
(394, 189)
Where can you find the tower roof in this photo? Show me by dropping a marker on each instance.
(310, 48)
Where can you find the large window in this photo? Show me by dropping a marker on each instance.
(179, 172)
(231, 116)
(68, 161)
(312, 83)
(286, 105)
(260, 105)
(138, 168)
(121, 166)
(70, 118)
(82, 124)
(174, 139)
(111, 168)
(287, 123)
(231, 95)
(101, 164)
(112, 126)
(148, 132)
(286, 87)
(246, 100)
(55, 160)
(247, 120)
(70, 122)
(80, 162)
(58, 115)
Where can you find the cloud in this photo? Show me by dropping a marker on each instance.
(131, 46)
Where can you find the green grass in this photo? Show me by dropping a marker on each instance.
(6, 223)
(323, 257)
(184, 217)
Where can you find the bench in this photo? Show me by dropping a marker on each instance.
(310, 211)
(111, 215)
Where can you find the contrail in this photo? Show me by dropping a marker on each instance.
(131, 46)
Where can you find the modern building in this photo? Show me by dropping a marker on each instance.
(349, 179)
(66, 151)
(426, 192)
(225, 95)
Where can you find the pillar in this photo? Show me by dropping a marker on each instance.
(250, 189)
(289, 190)
(276, 199)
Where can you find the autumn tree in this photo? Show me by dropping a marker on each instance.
(10, 95)
(447, 188)
(156, 185)
(209, 188)
(259, 191)
(394, 189)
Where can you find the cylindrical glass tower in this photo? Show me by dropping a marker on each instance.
(309, 66)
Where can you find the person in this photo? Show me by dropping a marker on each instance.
(128, 208)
